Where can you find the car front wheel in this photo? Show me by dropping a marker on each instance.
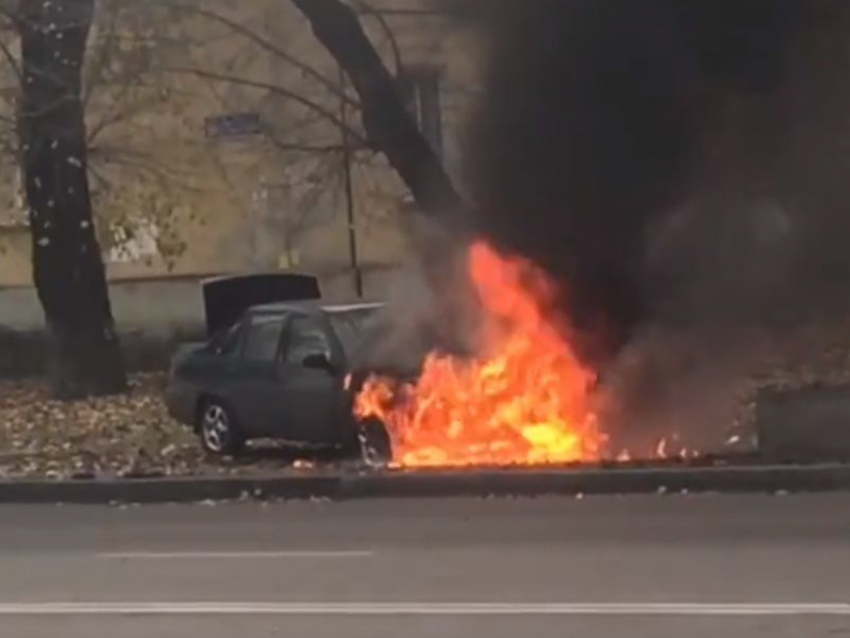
(218, 431)
(375, 443)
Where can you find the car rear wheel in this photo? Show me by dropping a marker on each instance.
(218, 431)
(375, 443)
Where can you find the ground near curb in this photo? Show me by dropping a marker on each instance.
(505, 483)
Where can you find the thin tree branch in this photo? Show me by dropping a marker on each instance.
(139, 161)
(304, 148)
(120, 115)
(415, 13)
(102, 181)
(97, 62)
(380, 16)
(268, 46)
(10, 58)
(272, 88)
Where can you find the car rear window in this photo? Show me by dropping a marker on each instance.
(226, 343)
(262, 339)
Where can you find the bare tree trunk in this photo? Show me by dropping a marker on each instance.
(67, 265)
(389, 127)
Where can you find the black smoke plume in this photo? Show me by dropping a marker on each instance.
(683, 166)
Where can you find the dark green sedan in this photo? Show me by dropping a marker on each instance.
(280, 371)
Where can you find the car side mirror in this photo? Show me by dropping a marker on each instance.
(318, 362)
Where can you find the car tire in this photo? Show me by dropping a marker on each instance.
(375, 443)
(217, 429)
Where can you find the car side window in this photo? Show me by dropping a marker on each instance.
(306, 336)
(351, 326)
(262, 339)
(226, 344)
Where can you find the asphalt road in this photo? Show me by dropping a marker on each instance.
(611, 566)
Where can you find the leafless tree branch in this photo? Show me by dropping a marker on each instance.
(97, 61)
(381, 18)
(119, 115)
(269, 46)
(11, 59)
(272, 88)
(138, 161)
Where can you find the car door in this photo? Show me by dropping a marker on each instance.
(255, 381)
(311, 395)
(218, 360)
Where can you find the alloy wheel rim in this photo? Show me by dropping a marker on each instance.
(216, 429)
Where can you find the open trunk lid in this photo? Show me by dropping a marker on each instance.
(227, 298)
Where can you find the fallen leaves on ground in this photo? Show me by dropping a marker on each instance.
(123, 435)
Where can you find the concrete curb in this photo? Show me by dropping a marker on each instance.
(519, 482)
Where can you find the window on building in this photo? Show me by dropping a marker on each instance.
(420, 89)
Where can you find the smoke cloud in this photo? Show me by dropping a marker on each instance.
(684, 168)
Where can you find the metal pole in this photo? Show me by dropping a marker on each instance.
(349, 191)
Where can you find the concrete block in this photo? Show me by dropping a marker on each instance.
(809, 424)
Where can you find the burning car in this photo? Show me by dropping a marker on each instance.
(274, 366)
(319, 374)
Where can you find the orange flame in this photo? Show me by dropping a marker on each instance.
(525, 400)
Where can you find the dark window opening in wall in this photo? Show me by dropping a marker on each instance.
(420, 88)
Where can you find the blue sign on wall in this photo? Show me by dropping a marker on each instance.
(233, 125)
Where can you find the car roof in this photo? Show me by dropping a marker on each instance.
(312, 306)
(254, 275)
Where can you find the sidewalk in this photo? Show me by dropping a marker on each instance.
(341, 485)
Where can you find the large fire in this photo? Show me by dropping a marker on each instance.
(525, 400)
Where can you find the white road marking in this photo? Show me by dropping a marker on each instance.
(237, 555)
(422, 609)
